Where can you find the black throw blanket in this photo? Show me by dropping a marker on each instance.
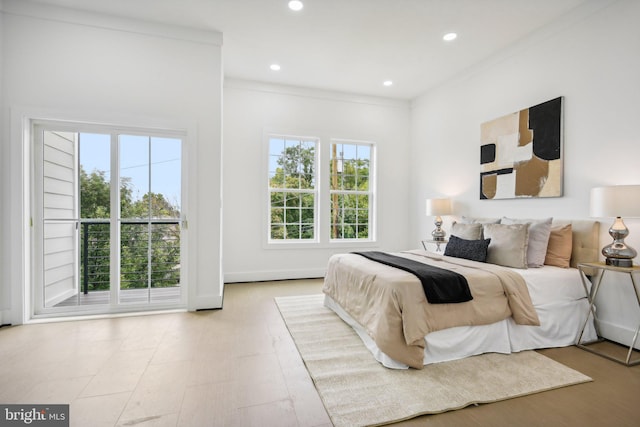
(440, 286)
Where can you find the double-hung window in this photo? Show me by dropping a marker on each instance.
(351, 190)
(295, 213)
(293, 193)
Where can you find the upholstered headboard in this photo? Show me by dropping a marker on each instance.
(586, 240)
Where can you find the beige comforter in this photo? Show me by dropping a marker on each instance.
(390, 303)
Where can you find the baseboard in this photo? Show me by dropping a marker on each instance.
(5, 318)
(209, 302)
(618, 333)
(263, 276)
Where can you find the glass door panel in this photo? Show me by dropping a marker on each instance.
(165, 208)
(95, 223)
(150, 219)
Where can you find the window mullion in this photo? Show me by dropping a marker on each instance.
(149, 221)
(115, 219)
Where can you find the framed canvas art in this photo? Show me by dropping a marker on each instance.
(521, 153)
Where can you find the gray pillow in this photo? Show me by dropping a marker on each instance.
(466, 231)
(468, 220)
(508, 244)
(475, 250)
(539, 232)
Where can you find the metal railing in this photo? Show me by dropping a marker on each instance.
(149, 254)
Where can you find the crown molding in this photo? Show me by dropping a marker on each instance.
(30, 9)
(307, 92)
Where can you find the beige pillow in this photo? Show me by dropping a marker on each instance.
(560, 247)
(466, 231)
(508, 245)
(539, 231)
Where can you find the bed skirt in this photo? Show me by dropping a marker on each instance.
(560, 325)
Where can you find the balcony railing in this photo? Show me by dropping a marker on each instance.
(149, 254)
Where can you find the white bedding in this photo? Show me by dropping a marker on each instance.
(558, 297)
(548, 284)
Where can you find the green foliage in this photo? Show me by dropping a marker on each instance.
(350, 175)
(349, 208)
(298, 160)
(152, 205)
(292, 213)
(164, 269)
(95, 195)
(350, 216)
(135, 233)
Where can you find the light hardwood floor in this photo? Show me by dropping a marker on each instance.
(239, 367)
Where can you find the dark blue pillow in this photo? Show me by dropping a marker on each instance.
(475, 250)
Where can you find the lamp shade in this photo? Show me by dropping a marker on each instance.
(437, 207)
(615, 201)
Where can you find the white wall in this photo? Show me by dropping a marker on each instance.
(5, 293)
(591, 58)
(250, 109)
(66, 64)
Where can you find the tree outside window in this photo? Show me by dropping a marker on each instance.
(351, 192)
(292, 188)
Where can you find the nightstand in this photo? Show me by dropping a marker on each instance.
(583, 268)
(434, 242)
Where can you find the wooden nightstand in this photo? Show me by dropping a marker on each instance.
(583, 268)
(434, 242)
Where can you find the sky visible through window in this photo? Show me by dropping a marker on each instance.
(165, 162)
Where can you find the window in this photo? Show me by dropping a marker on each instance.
(293, 192)
(302, 208)
(351, 190)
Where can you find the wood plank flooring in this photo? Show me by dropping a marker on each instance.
(239, 367)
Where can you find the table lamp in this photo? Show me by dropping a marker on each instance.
(438, 207)
(617, 201)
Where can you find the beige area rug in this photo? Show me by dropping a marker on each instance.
(357, 391)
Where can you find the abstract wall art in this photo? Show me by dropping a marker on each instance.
(521, 153)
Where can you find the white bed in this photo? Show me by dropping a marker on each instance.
(558, 297)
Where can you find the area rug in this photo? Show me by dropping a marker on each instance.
(357, 391)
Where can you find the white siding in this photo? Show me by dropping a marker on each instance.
(59, 183)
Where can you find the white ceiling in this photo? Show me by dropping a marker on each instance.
(349, 45)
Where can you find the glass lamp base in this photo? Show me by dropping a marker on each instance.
(619, 262)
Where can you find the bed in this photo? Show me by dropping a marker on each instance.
(514, 308)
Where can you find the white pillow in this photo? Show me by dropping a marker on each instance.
(508, 245)
(539, 232)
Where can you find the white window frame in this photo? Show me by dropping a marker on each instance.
(315, 191)
(370, 192)
(322, 209)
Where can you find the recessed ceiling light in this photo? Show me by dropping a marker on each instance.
(295, 5)
(449, 36)
(387, 83)
(275, 67)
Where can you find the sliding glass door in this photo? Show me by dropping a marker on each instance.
(107, 220)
